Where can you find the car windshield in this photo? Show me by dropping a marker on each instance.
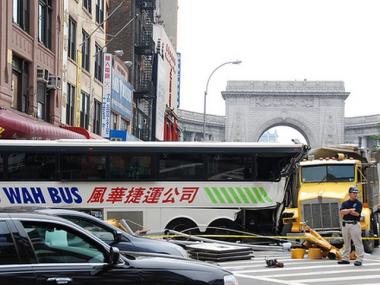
(328, 173)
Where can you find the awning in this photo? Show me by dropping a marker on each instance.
(16, 125)
(83, 132)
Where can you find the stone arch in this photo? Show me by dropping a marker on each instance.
(289, 122)
(315, 108)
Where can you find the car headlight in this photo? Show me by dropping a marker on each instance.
(230, 280)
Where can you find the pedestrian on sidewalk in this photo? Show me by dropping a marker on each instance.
(350, 211)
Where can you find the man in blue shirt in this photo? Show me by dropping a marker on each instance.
(350, 211)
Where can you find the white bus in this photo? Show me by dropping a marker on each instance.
(176, 185)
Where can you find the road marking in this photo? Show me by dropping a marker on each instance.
(349, 269)
(300, 268)
(340, 278)
(264, 264)
(268, 279)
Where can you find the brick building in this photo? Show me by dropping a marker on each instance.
(31, 69)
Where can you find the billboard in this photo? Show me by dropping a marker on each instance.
(161, 92)
(121, 94)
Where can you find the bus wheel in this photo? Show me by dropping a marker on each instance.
(222, 227)
(183, 225)
(369, 245)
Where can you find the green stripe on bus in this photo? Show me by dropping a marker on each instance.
(250, 195)
(225, 193)
(265, 195)
(218, 195)
(233, 193)
(210, 195)
(258, 195)
(242, 195)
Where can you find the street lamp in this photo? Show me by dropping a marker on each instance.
(205, 95)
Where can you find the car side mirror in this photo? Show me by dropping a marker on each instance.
(117, 236)
(114, 256)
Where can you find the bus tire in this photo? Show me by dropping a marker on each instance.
(183, 225)
(221, 227)
(369, 245)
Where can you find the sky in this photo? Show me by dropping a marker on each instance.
(280, 40)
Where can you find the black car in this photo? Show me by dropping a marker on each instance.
(43, 249)
(114, 236)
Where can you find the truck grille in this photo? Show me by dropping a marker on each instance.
(321, 215)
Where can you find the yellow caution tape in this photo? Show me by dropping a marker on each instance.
(249, 236)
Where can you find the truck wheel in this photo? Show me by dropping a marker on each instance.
(376, 228)
(286, 228)
(369, 245)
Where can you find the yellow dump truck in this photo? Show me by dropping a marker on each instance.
(322, 185)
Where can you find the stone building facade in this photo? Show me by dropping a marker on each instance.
(191, 126)
(363, 131)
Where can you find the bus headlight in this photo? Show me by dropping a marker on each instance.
(230, 280)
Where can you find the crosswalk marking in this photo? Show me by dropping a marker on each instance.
(329, 265)
(340, 278)
(262, 264)
(347, 270)
(305, 271)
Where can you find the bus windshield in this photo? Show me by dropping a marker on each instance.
(328, 173)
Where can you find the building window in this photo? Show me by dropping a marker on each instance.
(21, 14)
(99, 11)
(113, 121)
(123, 125)
(98, 62)
(72, 39)
(87, 5)
(85, 51)
(70, 104)
(42, 102)
(45, 22)
(85, 110)
(97, 115)
(19, 85)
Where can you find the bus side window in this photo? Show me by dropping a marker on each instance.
(234, 167)
(85, 166)
(130, 166)
(181, 166)
(31, 166)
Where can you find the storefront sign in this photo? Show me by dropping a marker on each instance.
(107, 87)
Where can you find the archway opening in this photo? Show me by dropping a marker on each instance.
(282, 134)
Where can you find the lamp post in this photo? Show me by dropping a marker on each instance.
(205, 95)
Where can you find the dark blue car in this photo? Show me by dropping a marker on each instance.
(114, 236)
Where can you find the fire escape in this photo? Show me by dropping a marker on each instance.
(144, 53)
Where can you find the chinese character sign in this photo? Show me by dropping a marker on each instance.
(143, 195)
(107, 87)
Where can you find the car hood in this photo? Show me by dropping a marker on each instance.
(158, 246)
(175, 264)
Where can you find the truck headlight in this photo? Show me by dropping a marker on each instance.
(230, 280)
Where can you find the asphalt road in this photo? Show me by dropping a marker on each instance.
(300, 272)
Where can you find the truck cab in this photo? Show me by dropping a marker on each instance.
(322, 185)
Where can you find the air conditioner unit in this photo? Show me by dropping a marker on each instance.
(42, 75)
(54, 82)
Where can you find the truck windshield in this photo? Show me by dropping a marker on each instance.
(328, 173)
